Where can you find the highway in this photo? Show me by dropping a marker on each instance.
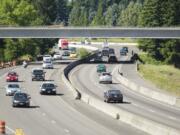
(85, 78)
(55, 115)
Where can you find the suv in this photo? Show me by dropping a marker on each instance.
(48, 88)
(113, 96)
(38, 74)
(21, 99)
(105, 77)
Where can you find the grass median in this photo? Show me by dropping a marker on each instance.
(163, 76)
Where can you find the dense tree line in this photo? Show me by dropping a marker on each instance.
(129, 13)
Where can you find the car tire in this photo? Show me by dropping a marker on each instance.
(32, 79)
(13, 105)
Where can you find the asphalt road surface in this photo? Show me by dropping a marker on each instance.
(84, 77)
(55, 115)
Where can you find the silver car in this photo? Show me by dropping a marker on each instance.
(47, 65)
(105, 77)
(12, 88)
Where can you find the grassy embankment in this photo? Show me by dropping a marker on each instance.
(165, 77)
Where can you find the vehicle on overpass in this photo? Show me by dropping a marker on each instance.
(111, 51)
(48, 88)
(12, 88)
(105, 51)
(101, 68)
(47, 65)
(66, 53)
(63, 44)
(123, 52)
(105, 77)
(113, 96)
(38, 74)
(21, 99)
(12, 77)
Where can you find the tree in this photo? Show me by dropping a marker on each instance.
(18, 12)
(130, 15)
(111, 15)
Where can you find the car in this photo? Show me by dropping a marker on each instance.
(65, 53)
(48, 88)
(73, 55)
(12, 88)
(38, 74)
(12, 77)
(72, 49)
(57, 56)
(105, 77)
(101, 68)
(113, 96)
(47, 65)
(123, 52)
(47, 58)
(125, 48)
(105, 51)
(21, 99)
(111, 51)
(112, 58)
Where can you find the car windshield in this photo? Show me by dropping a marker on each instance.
(19, 96)
(38, 71)
(13, 86)
(12, 73)
(48, 85)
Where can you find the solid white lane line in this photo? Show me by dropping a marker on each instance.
(170, 117)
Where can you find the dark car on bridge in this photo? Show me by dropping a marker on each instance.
(105, 51)
(123, 51)
(12, 77)
(21, 99)
(111, 51)
(113, 96)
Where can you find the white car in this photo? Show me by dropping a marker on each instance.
(12, 88)
(47, 65)
(47, 58)
(57, 56)
(105, 77)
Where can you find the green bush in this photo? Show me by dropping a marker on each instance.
(82, 53)
(149, 60)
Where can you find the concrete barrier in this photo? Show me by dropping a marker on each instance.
(168, 99)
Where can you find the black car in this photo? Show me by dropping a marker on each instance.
(113, 96)
(21, 99)
(112, 58)
(38, 74)
(48, 88)
(111, 51)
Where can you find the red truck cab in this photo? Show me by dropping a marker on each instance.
(63, 44)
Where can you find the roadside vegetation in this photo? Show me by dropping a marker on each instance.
(165, 77)
(82, 53)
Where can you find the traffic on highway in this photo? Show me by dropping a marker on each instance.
(37, 94)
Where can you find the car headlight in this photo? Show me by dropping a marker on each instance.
(15, 101)
(54, 89)
(43, 89)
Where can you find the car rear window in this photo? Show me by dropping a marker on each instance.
(38, 71)
(48, 85)
(13, 86)
(20, 96)
(115, 92)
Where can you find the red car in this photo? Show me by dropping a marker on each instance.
(12, 77)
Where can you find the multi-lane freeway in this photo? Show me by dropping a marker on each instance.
(134, 102)
(55, 115)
